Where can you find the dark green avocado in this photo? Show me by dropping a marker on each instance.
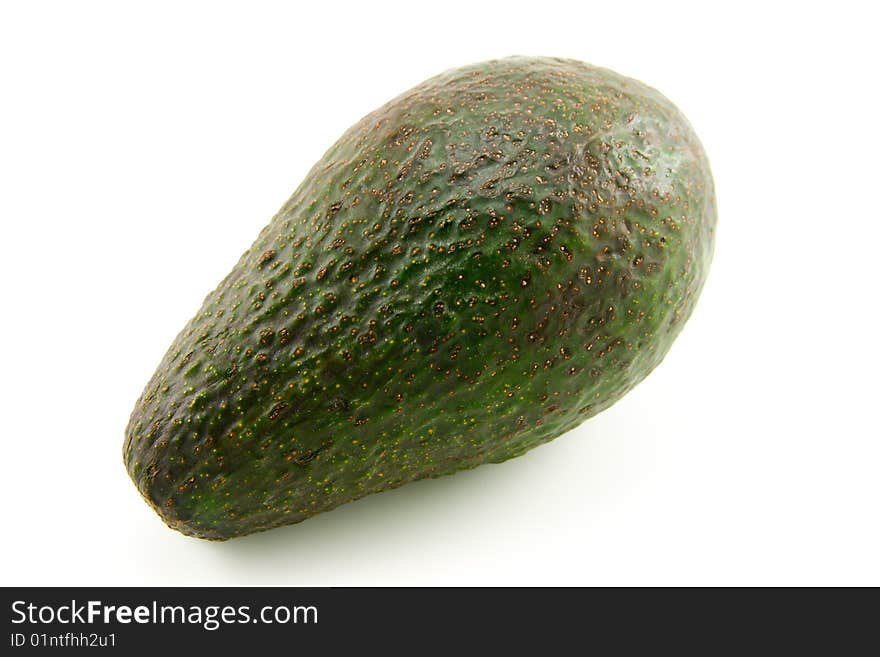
(473, 269)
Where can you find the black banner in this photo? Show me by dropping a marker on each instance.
(408, 621)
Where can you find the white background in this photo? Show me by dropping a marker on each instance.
(144, 145)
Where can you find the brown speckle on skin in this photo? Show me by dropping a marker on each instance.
(266, 256)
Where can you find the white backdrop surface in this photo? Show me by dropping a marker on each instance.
(143, 147)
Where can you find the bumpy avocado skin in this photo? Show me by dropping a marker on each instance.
(473, 269)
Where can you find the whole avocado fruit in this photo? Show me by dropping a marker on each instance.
(473, 269)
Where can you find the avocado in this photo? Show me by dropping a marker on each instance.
(470, 271)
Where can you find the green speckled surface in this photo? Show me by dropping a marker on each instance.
(473, 269)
